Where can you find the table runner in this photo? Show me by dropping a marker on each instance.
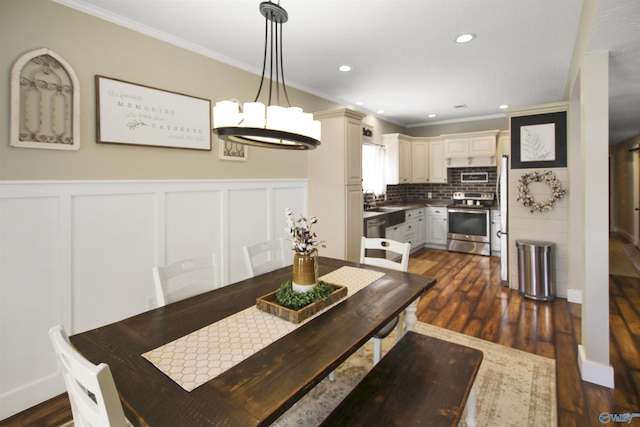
(204, 354)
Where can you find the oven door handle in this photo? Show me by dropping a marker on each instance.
(469, 211)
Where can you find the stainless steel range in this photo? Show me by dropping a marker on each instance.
(469, 222)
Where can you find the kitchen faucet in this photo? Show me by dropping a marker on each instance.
(367, 204)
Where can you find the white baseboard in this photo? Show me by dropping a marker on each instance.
(17, 400)
(574, 296)
(593, 372)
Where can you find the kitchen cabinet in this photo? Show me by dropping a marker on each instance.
(495, 227)
(436, 227)
(471, 149)
(335, 183)
(397, 233)
(398, 158)
(415, 228)
(437, 161)
(417, 160)
(420, 161)
(412, 230)
(504, 143)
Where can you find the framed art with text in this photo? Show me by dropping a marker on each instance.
(539, 141)
(133, 114)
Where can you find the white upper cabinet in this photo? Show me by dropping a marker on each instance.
(398, 158)
(504, 143)
(420, 160)
(437, 162)
(456, 147)
(482, 146)
(353, 151)
(471, 149)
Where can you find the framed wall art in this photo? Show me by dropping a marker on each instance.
(232, 151)
(133, 114)
(539, 141)
(45, 102)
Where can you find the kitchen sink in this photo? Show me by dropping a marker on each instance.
(395, 215)
(383, 209)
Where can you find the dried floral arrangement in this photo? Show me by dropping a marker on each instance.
(303, 240)
(526, 199)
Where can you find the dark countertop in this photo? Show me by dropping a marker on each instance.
(408, 205)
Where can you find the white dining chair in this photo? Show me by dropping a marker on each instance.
(264, 256)
(91, 389)
(185, 278)
(402, 264)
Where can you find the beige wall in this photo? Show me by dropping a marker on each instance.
(460, 127)
(381, 127)
(623, 197)
(92, 46)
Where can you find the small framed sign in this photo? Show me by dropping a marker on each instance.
(473, 177)
(133, 114)
(539, 141)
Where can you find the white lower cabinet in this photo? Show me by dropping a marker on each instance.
(397, 233)
(412, 230)
(436, 227)
(415, 228)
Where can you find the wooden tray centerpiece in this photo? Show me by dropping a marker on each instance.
(270, 304)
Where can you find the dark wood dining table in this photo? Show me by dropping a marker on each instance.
(259, 389)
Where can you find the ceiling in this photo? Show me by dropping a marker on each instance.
(404, 57)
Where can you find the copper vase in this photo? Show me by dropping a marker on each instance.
(305, 272)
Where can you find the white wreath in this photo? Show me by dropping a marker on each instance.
(526, 199)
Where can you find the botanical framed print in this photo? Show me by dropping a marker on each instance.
(132, 114)
(539, 141)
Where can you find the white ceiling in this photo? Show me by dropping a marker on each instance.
(403, 54)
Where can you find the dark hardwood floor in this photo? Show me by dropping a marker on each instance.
(469, 298)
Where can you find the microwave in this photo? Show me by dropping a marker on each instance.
(474, 177)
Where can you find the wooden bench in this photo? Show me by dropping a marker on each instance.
(421, 381)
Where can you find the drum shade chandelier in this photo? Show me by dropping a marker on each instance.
(273, 126)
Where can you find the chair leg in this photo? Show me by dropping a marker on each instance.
(332, 376)
(400, 328)
(377, 344)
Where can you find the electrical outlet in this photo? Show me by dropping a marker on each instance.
(429, 195)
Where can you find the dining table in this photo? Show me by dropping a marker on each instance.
(260, 388)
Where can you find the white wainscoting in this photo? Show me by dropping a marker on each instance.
(551, 226)
(81, 254)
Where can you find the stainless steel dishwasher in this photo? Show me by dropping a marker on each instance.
(375, 227)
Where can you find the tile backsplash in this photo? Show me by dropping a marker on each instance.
(408, 192)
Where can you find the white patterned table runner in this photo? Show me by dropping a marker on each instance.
(204, 354)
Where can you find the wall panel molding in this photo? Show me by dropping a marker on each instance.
(67, 244)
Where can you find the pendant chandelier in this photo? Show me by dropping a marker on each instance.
(273, 126)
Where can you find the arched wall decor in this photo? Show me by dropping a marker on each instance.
(45, 102)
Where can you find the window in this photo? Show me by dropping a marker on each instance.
(373, 158)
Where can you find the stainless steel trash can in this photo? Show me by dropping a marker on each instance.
(536, 269)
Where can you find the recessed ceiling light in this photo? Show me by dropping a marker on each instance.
(432, 115)
(464, 38)
(380, 112)
(344, 68)
(359, 102)
(504, 106)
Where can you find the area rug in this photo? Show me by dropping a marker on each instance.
(514, 388)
